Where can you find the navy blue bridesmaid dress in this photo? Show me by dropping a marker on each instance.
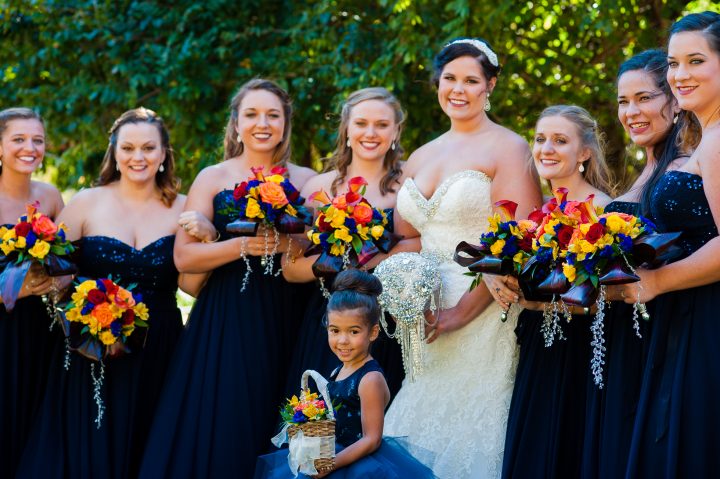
(66, 442)
(219, 406)
(547, 412)
(25, 352)
(390, 461)
(313, 352)
(611, 410)
(677, 427)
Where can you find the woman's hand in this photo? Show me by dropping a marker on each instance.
(447, 320)
(504, 289)
(264, 242)
(198, 226)
(36, 282)
(642, 291)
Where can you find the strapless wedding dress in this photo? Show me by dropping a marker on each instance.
(458, 407)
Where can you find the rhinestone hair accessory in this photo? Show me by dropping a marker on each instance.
(411, 286)
(480, 45)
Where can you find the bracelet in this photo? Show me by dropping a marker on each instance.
(215, 240)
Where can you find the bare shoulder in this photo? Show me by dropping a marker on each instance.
(300, 175)
(601, 199)
(87, 197)
(211, 177)
(51, 200)
(323, 181)
(179, 204)
(420, 157)
(373, 380)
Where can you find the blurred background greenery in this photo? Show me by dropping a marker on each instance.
(82, 63)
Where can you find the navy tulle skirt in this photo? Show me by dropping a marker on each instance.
(391, 461)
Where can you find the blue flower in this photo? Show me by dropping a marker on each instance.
(87, 309)
(30, 239)
(649, 225)
(61, 235)
(299, 417)
(116, 327)
(544, 255)
(602, 221)
(626, 242)
(607, 251)
(510, 247)
(99, 285)
(350, 222)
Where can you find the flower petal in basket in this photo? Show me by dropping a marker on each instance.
(242, 228)
(584, 294)
(618, 272)
(555, 282)
(648, 247)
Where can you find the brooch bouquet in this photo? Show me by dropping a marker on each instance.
(309, 428)
(272, 201)
(101, 320)
(348, 231)
(36, 238)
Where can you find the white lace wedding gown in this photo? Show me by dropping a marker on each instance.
(457, 409)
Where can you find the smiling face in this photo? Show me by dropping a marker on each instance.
(463, 89)
(557, 148)
(350, 335)
(694, 73)
(371, 130)
(643, 109)
(261, 121)
(139, 151)
(22, 146)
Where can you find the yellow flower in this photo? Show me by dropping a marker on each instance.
(493, 223)
(275, 178)
(9, 235)
(7, 248)
(107, 338)
(310, 411)
(73, 314)
(252, 210)
(497, 247)
(127, 330)
(86, 286)
(3, 230)
(569, 272)
(584, 228)
(290, 210)
(550, 227)
(614, 224)
(335, 217)
(337, 249)
(314, 237)
(21, 243)
(343, 234)
(377, 231)
(294, 401)
(116, 310)
(586, 246)
(141, 311)
(519, 258)
(92, 323)
(40, 249)
(78, 298)
(362, 231)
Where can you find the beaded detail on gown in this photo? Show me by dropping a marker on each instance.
(677, 427)
(66, 441)
(219, 406)
(458, 408)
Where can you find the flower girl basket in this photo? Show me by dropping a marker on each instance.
(312, 443)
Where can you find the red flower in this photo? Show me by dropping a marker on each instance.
(240, 191)
(22, 229)
(128, 317)
(351, 197)
(507, 209)
(564, 235)
(278, 170)
(537, 216)
(595, 232)
(95, 296)
(357, 184)
(525, 244)
(324, 226)
(45, 228)
(110, 287)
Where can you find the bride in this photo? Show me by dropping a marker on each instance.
(457, 408)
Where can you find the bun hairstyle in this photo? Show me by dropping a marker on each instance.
(355, 289)
(466, 47)
(19, 113)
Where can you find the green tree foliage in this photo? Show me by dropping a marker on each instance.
(82, 63)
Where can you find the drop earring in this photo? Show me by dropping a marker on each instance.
(0, 162)
(675, 118)
(117, 167)
(487, 103)
(162, 167)
(392, 146)
(348, 142)
(581, 169)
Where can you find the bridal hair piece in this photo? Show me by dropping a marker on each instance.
(480, 45)
(411, 286)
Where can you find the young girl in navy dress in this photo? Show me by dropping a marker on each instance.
(359, 387)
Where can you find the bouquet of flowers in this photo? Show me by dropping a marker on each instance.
(271, 200)
(348, 231)
(309, 427)
(99, 321)
(35, 238)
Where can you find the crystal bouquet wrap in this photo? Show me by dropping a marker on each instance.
(411, 285)
(34, 239)
(309, 428)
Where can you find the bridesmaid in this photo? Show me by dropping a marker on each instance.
(219, 406)
(677, 427)
(25, 338)
(125, 227)
(547, 412)
(647, 110)
(368, 145)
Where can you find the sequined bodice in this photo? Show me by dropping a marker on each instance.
(348, 427)
(151, 268)
(627, 207)
(457, 211)
(679, 204)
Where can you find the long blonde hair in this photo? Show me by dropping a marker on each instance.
(342, 156)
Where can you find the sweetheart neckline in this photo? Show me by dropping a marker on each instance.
(128, 245)
(447, 181)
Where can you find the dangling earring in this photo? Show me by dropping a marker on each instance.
(348, 142)
(581, 168)
(675, 118)
(487, 103)
(0, 162)
(392, 146)
(162, 167)
(117, 167)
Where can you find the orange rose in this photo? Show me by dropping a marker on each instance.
(103, 315)
(45, 228)
(362, 213)
(339, 202)
(273, 193)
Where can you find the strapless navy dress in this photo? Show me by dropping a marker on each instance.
(66, 442)
(677, 427)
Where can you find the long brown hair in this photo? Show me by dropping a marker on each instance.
(342, 156)
(234, 148)
(18, 113)
(166, 180)
(596, 171)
